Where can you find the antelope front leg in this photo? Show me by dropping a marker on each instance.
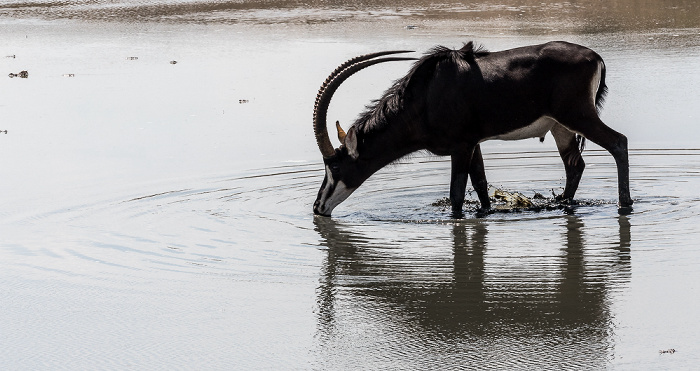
(458, 184)
(478, 175)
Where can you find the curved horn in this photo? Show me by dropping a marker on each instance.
(325, 93)
(352, 61)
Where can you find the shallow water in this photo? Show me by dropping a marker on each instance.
(157, 215)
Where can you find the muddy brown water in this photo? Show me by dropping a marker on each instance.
(157, 215)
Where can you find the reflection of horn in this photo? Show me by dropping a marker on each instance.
(341, 133)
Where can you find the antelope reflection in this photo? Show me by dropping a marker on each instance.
(475, 298)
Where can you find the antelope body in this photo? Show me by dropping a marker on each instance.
(452, 100)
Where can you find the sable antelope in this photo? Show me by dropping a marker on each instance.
(452, 100)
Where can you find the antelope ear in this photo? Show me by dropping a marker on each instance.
(341, 133)
(351, 143)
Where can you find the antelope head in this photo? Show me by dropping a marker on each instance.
(345, 170)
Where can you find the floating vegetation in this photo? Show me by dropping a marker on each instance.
(512, 199)
(503, 201)
(22, 75)
(445, 203)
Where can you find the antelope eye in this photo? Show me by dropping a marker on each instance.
(335, 169)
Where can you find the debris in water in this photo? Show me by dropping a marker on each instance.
(411, 27)
(241, 101)
(667, 351)
(510, 202)
(22, 74)
(443, 202)
(513, 200)
(132, 58)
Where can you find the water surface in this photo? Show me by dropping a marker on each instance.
(158, 215)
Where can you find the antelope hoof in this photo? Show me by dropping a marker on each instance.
(482, 212)
(457, 214)
(625, 207)
(625, 210)
(564, 200)
(626, 201)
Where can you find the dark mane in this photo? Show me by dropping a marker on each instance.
(377, 113)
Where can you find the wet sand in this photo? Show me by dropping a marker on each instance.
(158, 216)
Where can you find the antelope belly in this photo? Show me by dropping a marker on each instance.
(536, 129)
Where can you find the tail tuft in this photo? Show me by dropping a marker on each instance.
(602, 89)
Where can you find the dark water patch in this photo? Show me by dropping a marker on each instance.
(522, 16)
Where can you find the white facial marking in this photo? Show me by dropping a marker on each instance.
(333, 194)
(330, 184)
(339, 195)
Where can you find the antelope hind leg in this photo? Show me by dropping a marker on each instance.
(596, 131)
(570, 152)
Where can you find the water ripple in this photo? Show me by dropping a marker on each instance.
(400, 281)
